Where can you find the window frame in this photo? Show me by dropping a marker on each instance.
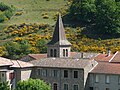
(96, 78)
(51, 53)
(55, 73)
(55, 53)
(119, 79)
(107, 79)
(55, 88)
(77, 87)
(64, 86)
(66, 52)
(74, 74)
(66, 75)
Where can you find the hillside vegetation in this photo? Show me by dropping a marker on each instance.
(32, 26)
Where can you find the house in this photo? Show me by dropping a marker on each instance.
(13, 71)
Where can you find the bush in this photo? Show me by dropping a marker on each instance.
(3, 7)
(2, 17)
(32, 84)
(4, 86)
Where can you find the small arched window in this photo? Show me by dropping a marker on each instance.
(55, 86)
(66, 52)
(51, 52)
(55, 53)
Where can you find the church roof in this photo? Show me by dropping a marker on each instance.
(59, 37)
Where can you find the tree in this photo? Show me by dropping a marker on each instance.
(83, 10)
(108, 17)
(17, 49)
(41, 45)
(32, 84)
(103, 15)
(4, 86)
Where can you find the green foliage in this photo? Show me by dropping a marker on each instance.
(41, 45)
(7, 12)
(17, 49)
(83, 10)
(4, 86)
(108, 17)
(32, 84)
(2, 17)
(104, 14)
(3, 7)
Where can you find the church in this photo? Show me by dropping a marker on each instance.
(63, 69)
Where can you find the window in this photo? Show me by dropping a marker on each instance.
(96, 78)
(107, 89)
(51, 52)
(75, 87)
(44, 72)
(55, 86)
(65, 73)
(39, 71)
(65, 86)
(91, 88)
(55, 52)
(55, 73)
(66, 52)
(107, 79)
(75, 74)
(118, 79)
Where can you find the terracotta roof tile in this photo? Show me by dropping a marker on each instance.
(103, 57)
(5, 62)
(107, 68)
(116, 58)
(38, 56)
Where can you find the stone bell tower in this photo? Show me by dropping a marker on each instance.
(59, 46)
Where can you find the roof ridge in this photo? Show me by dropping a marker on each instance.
(113, 56)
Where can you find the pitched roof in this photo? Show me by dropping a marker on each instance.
(5, 62)
(59, 37)
(37, 56)
(107, 68)
(20, 64)
(62, 63)
(103, 57)
(116, 58)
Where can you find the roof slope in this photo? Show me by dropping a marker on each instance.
(103, 57)
(37, 56)
(61, 63)
(107, 68)
(5, 62)
(116, 58)
(59, 37)
(21, 64)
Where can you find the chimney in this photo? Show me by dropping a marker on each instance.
(108, 52)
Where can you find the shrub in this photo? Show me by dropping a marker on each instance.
(3, 7)
(32, 84)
